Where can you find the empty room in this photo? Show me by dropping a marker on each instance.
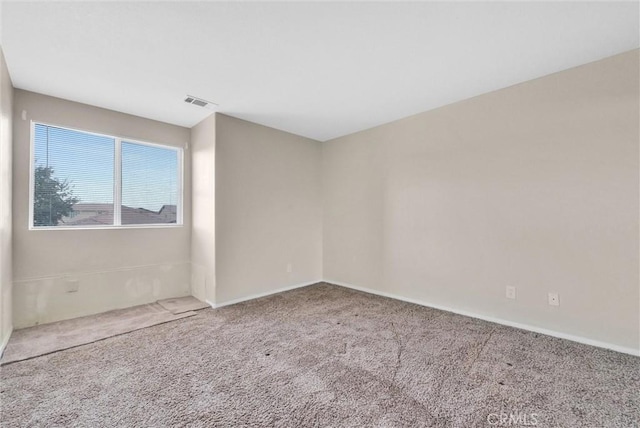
(319, 214)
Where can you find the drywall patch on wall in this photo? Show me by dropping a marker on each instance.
(43, 300)
(203, 283)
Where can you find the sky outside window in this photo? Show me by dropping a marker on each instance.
(85, 160)
(149, 176)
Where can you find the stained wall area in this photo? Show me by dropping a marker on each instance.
(114, 268)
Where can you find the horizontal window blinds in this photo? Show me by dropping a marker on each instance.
(149, 184)
(81, 179)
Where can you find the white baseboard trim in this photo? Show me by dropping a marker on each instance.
(560, 335)
(5, 340)
(257, 296)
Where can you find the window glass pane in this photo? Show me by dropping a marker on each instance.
(73, 178)
(149, 184)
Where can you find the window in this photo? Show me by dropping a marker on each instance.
(87, 180)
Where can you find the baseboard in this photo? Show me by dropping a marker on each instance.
(5, 340)
(560, 335)
(257, 296)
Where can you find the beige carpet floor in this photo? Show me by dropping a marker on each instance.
(44, 339)
(324, 356)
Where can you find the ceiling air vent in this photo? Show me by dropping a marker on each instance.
(200, 102)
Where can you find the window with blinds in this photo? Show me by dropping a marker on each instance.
(87, 180)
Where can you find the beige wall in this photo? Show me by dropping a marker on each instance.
(6, 102)
(115, 267)
(203, 157)
(534, 186)
(268, 209)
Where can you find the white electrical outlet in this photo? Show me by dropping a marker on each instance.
(511, 292)
(289, 268)
(554, 299)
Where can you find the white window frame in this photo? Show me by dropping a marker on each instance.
(117, 182)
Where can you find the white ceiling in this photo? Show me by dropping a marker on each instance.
(321, 70)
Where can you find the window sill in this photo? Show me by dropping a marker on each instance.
(127, 227)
